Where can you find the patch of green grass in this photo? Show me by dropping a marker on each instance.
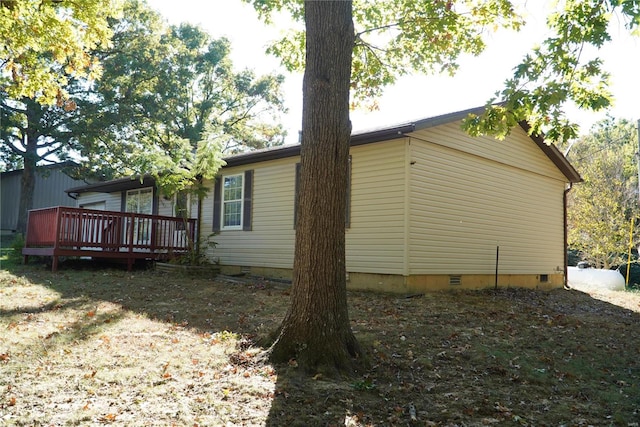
(10, 250)
(6, 240)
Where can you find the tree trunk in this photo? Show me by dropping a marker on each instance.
(27, 184)
(316, 331)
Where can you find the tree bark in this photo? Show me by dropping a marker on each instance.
(316, 331)
(28, 180)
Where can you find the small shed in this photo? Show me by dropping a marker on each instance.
(49, 190)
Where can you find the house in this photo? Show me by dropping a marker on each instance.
(429, 208)
(50, 183)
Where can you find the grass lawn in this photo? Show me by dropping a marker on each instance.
(101, 346)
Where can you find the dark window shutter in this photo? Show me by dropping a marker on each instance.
(123, 201)
(248, 195)
(155, 202)
(295, 197)
(217, 200)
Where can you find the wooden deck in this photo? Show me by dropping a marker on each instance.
(64, 231)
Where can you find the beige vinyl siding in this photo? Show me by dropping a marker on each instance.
(270, 243)
(517, 150)
(375, 241)
(463, 206)
(112, 200)
(165, 207)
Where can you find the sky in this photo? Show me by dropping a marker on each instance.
(412, 97)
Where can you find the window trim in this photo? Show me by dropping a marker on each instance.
(247, 202)
(223, 202)
(136, 192)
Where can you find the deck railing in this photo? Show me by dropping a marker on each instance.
(65, 229)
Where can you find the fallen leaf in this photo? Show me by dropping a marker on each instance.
(110, 417)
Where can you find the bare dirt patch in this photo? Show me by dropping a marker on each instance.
(105, 347)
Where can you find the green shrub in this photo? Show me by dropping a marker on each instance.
(634, 274)
(15, 254)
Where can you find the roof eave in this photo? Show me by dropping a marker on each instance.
(554, 155)
(294, 150)
(121, 184)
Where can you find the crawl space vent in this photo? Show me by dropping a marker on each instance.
(455, 280)
(544, 278)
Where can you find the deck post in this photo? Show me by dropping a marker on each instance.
(131, 236)
(25, 258)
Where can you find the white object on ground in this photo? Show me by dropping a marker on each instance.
(594, 279)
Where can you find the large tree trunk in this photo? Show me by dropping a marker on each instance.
(27, 184)
(316, 329)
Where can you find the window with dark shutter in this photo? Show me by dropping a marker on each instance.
(232, 202)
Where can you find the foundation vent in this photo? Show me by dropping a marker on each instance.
(455, 280)
(544, 278)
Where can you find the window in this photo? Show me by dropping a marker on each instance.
(232, 196)
(140, 201)
(182, 200)
(232, 201)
